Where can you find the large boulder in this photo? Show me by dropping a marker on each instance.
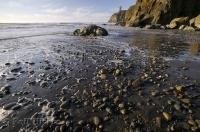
(197, 22)
(91, 30)
(189, 28)
(177, 22)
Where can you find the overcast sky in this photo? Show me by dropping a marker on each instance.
(59, 10)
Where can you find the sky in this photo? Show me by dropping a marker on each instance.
(13, 11)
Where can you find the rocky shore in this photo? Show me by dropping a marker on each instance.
(121, 82)
(161, 14)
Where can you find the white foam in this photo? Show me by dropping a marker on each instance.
(4, 113)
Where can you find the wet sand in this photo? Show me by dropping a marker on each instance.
(132, 80)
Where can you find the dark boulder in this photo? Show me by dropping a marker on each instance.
(91, 30)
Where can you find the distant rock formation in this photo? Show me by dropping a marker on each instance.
(148, 12)
(118, 18)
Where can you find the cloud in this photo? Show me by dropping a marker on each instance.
(56, 11)
(59, 15)
(14, 4)
(50, 12)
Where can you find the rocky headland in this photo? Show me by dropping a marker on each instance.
(171, 14)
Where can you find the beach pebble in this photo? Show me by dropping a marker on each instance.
(167, 116)
(96, 120)
(103, 76)
(177, 107)
(16, 107)
(9, 106)
(17, 69)
(7, 64)
(123, 111)
(6, 89)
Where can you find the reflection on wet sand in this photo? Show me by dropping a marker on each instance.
(165, 46)
(194, 48)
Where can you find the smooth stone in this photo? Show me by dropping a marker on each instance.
(96, 120)
(9, 106)
(158, 121)
(16, 107)
(179, 88)
(123, 111)
(167, 116)
(16, 69)
(103, 71)
(1, 94)
(177, 107)
(109, 110)
(117, 72)
(7, 64)
(103, 76)
(187, 101)
(44, 84)
(121, 105)
(65, 105)
(5, 89)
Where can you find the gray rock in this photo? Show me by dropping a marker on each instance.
(65, 105)
(1, 94)
(177, 107)
(6, 89)
(18, 69)
(16, 107)
(9, 106)
(96, 120)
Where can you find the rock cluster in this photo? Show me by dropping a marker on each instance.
(184, 23)
(151, 12)
(91, 30)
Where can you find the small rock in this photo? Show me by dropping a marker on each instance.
(7, 64)
(123, 111)
(103, 71)
(5, 89)
(167, 116)
(191, 122)
(18, 69)
(1, 94)
(179, 88)
(117, 72)
(103, 76)
(65, 105)
(109, 110)
(96, 120)
(177, 107)
(16, 107)
(187, 101)
(9, 106)
(158, 121)
(44, 84)
(121, 105)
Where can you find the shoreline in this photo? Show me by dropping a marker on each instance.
(97, 84)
